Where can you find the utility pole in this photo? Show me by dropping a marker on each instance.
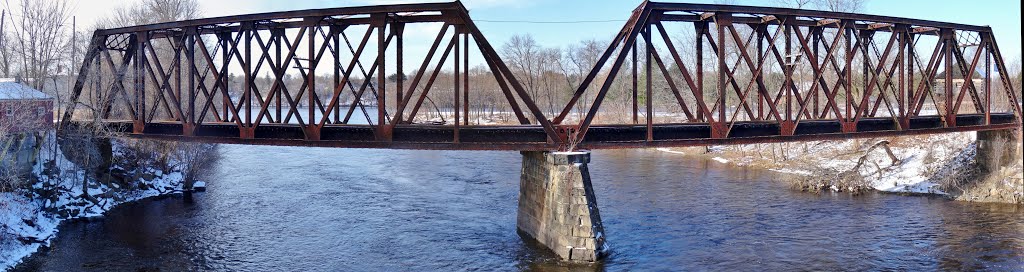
(74, 52)
(3, 20)
(71, 65)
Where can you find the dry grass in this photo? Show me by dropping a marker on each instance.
(823, 180)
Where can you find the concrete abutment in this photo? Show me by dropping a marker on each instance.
(557, 205)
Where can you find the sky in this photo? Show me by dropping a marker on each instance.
(603, 18)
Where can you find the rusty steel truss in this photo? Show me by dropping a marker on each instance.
(775, 75)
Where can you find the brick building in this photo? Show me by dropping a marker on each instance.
(23, 108)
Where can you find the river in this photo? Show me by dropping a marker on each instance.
(319, 209)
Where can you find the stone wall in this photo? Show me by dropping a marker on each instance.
(557, 206)
(998, 148)
(999, 160)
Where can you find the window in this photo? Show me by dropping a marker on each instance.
(9, 111)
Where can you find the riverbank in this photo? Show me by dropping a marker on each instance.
(941, 164)
(59, 190)
(401, 210)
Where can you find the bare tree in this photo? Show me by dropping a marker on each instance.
(172, 10)
(577, 62)
(152, 11)
(841, 5)
(193, 159)
(797, 4)
(1014, 68)
(39, 37)
(525, 58)
(124, 16)
(5, 51)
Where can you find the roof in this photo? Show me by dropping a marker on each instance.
(10, 90)
(957, 74)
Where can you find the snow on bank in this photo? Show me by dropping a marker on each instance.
(21, 220)
(922, 161)
(29, 217)
(791, 171)
(669, 150)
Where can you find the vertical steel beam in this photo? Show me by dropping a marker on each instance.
(865, 42)
(141, 39)
(721, 21)
(911, 60)
(815, 32)
(848, 76)
(135, 79)
(191, 33)
(988, 79)
(311, 75)
(381, 22)
(465, 76)
(901, 32)
(278, 34)
(223, 39)
(700, 29)
(649, 94)
(177, 44)
(790, 63)
(249, 88)
(336, 67)
(455, 82)
(760, 30)
(399, 30)
(948, 40)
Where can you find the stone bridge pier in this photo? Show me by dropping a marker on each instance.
(557, 205)
(998, 148)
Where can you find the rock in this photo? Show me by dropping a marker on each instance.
(199, 186)
(30, 240)
(29, 222)
(106, 178)
(148, 176)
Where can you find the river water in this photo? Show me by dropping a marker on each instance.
(319, 209)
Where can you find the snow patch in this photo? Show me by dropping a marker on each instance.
(791, 171)
(922, 160)
(29, 220)
(669, 150)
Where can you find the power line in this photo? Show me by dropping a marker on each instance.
(551, 22)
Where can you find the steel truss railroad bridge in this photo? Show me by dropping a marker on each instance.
(738, 75)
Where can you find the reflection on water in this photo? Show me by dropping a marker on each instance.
(313, 209)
